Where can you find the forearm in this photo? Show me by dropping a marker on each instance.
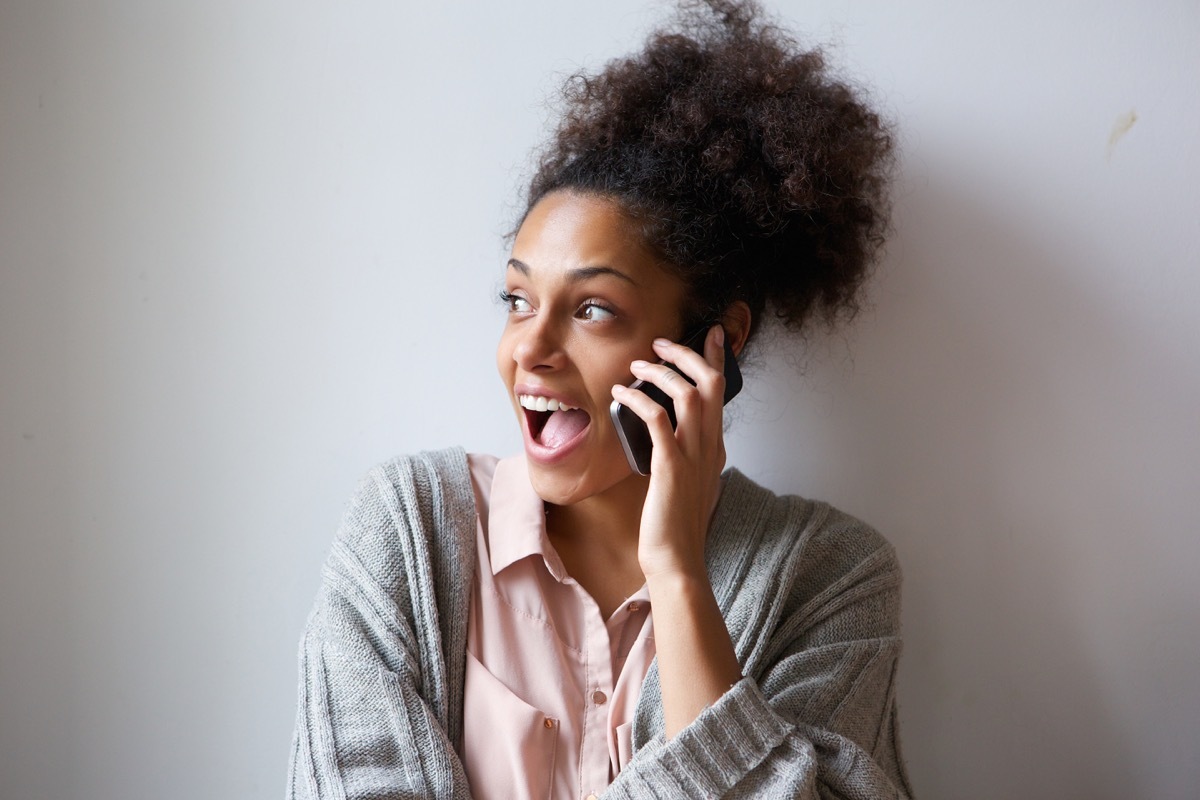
(696, 660)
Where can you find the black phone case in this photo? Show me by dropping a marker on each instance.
(632, 431)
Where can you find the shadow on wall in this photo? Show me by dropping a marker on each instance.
(1006, 425)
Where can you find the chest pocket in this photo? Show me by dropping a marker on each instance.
(509, 746)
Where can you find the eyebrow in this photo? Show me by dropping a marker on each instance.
(578, 274)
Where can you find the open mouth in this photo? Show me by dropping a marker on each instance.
(551, 423)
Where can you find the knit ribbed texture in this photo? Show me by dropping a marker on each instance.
(380, 702)
(810, 597)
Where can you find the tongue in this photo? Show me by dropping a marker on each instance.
(562, 427)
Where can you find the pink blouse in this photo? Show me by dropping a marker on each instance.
(550, 685)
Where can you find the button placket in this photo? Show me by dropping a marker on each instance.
(595, 760)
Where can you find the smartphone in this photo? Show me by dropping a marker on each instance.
(634, 435)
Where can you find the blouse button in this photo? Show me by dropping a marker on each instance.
(632, 607)
(549, 723)
(599, 698)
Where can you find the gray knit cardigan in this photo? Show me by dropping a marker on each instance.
(810, 596)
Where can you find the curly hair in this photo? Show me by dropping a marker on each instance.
(751, 172)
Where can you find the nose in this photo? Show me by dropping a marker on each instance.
(539, 346)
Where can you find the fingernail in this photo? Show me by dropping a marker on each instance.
(618, 388)
(639, 363)
(662, 342)
(720, 336)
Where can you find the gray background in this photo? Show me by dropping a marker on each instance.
(247, 249)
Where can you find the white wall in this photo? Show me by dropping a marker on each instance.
(248, 248)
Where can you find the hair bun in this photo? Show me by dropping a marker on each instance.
(753, 171)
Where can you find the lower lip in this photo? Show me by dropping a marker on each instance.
(550, 455)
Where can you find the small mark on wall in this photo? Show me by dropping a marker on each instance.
(1121, 127)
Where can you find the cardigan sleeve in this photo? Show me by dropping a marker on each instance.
(816, 720)
(371, 710)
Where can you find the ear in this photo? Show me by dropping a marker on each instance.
(736, 322)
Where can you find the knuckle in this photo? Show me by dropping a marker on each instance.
(715, 382)
(657, 415)
(689, 398)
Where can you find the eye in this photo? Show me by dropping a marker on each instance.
(594, 311)
(515, 303)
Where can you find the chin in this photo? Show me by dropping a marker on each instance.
(562, 486)
(558, 485)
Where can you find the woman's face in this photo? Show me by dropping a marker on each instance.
(586, 297)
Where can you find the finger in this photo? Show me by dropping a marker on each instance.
(714, 348)
(655, 416)
(688, 401)
(706, 371)
(677, 387)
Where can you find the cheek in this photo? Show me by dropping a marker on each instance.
(613, 367)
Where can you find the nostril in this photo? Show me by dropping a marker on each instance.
(538, 350)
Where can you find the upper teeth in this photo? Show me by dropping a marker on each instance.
(539, 403)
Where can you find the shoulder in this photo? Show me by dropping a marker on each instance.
(428, 479)
(800, 553)
(410, 498)
(427, 476)
(764, 525)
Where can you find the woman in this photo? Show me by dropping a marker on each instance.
(558, 625)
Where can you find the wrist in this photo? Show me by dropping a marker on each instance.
(679, 583)
(670, 563)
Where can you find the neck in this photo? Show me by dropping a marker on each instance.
(607, 522)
